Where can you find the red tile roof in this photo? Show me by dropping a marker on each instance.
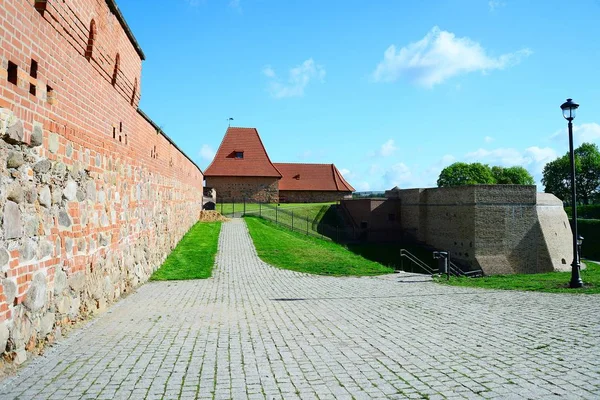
(322, 177)
(255, 162)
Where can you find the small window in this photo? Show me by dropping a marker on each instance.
(135, 85)
(364, 225)
(40, 6)
(33, 72)
(49, 94)
(116, 70)
(297, 177)
(239, 154)
(90, 44)
(391, 217)
(12, 73)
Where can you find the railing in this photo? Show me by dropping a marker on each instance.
(415, 260)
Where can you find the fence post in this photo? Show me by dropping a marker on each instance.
(221, 206)
(244, 206)
(276, 214)
(337, 233)
(307, 225)
(233, 207)
(292, 219)
(259, 209)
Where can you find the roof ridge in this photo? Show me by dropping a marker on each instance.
(299, 163)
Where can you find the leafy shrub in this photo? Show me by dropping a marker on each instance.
(591, 211)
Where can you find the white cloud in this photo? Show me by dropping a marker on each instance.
(347, 174)
(207, 152)
(488, 139)
(440, 55)
(589, 132)
(268, 72)
(235, 4)
(495, 4)
(388, 148)
(298, 79)
(398, 175)
(363, 186)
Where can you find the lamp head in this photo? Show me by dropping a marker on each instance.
(568, 108)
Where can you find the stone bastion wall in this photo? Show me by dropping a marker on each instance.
(502, 229)
(93, 195)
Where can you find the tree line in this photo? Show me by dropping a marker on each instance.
(556, 176)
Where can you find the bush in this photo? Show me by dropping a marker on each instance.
(590, 230)
(591, 211)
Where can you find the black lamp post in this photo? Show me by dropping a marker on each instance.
(568, 108)
(579, 244)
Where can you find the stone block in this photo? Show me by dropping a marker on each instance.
(76, 281)
(37, 136)
(60, 281)
(15, 193)
(4, 335)
(9, 285)
(53, 143)
(46, 324)
(70, 191)
(12, 221)
(45, 197)
(14, 133)
(63, 219)
(35, 298)
(42, 167)
(15, 159)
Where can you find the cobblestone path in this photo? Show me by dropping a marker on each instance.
(257, 332)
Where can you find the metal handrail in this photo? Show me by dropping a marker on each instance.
(415, 260)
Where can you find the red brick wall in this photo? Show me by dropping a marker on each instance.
(309, 196)
(231, 188)
(128, 198)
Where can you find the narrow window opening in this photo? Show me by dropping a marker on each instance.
(33, 72)
(391, 217)
(135, 84)
(49, 94)
(40, 6)
(116, 70)
(120, 131)
(114, 132)
(90, 44)
(12, 73)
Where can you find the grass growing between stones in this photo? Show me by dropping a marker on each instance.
(552, 282)
(285, 249)
(194, 256)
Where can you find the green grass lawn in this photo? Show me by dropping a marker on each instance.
(194, 256)
(553, 282)
(303, 213)
(285, 249)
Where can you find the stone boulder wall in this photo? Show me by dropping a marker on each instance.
(76, 235)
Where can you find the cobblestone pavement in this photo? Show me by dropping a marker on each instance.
(257, 332)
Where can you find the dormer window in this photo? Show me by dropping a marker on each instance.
(297, 177)
(239, 154)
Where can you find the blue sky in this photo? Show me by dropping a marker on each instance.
(389, 91)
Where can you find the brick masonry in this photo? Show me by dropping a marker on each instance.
(501, 229)
(311, 196)
(93, 195)
(257, 189)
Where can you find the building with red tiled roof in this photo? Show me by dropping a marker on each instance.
(242, 169)
(311, 183)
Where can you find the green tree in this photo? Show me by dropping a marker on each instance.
(512, 176)
(557, 179)
(461, 173)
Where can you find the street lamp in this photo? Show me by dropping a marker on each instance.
(579, 244)
(569, 108)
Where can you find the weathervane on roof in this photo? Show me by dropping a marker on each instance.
(229, 119)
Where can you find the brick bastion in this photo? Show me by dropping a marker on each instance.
(502, 229)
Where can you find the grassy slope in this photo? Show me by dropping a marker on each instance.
(283, 248)
(553, 282)
(194, 256)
